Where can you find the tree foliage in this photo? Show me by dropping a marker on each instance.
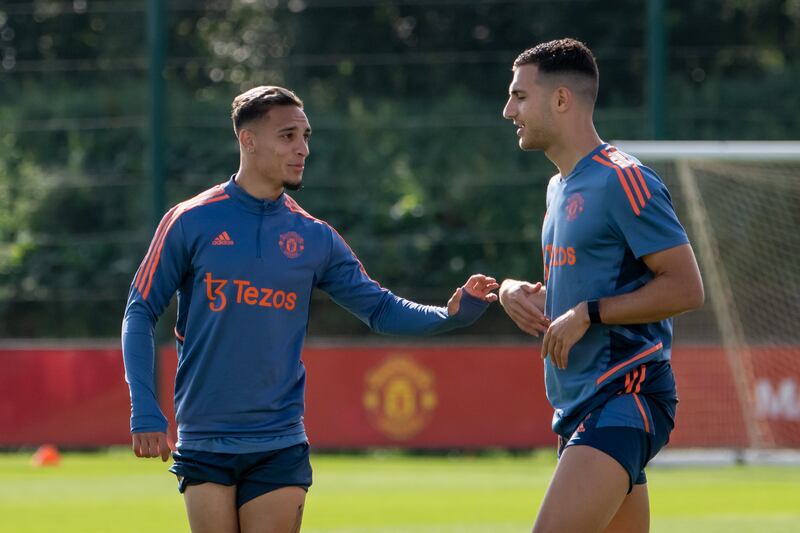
(411, 159)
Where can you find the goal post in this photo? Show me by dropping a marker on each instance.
(740, 204)
(786, 151)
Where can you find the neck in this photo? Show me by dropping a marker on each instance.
(257, 185)
(572, 147)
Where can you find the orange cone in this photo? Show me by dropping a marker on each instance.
(46, 455)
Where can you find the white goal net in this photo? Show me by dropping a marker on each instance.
(737, 361)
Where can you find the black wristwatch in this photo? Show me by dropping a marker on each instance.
(593, 306)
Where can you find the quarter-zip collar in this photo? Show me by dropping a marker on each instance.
(251, 203)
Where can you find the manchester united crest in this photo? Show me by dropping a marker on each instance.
(574, 206)
(291, 244)
(399, 397)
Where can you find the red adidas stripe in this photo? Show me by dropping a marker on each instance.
(214, 195)
(147, 262)
(293, 206)
(622, 182)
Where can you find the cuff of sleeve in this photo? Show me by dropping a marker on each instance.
(148, 424)
(660, 247)
(471, 308)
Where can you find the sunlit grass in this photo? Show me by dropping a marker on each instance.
(109, 492)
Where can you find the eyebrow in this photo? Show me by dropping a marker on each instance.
(292, 128)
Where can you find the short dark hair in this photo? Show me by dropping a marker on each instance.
(562, 56)
(257, 102)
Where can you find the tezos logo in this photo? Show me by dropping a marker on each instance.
(247, 294)
(291, 244)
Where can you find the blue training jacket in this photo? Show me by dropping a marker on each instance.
(244, 270)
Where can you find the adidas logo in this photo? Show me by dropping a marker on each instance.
(223, 239)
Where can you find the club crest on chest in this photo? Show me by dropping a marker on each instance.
(291, 244)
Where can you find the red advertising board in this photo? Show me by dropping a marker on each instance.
(427, 397)
(710, 413)
(410, 396)
(423, 397)
(65, 396)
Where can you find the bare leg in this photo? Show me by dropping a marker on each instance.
(211, 508)
(586, 491)
(278, 511)
(633, 515)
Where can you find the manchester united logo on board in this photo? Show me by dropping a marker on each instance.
(574, 206)
(291, 244)
(399, 397)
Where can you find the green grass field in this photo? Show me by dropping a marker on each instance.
(112, 492)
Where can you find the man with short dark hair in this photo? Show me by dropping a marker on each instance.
(244, 258)
(617, 267)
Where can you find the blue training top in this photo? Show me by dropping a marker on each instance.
(244, 270)
(600, 220)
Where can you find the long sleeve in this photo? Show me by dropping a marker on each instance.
(346, 281)
(156, 280)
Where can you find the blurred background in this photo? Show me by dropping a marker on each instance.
(113, 111)
(411, 160)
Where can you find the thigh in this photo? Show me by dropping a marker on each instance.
(622, 429)
(633, 516)
(277, 511)
(586, 491)
(211, 508)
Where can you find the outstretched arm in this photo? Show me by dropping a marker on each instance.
(346, 281)
(398, 316)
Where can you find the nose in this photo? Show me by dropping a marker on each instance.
(509, 110)
(303, 149)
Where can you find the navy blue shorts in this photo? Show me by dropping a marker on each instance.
(631, 428)
(253, 474)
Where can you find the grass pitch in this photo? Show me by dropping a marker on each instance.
(114, 492)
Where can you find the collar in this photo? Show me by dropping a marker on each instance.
(586, 160)
(251, 203)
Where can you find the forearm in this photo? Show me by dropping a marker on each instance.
(138, 352)
(398, 316)
(664, 296)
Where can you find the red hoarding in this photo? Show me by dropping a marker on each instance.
(412, 396)
(67, 396)
(420, 396)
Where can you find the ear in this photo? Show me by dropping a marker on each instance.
(247, 140)
(562, 99)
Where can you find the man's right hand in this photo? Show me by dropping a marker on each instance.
(153, 444)
(524, 303)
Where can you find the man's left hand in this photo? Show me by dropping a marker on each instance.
(563, 333)
(477, 286)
